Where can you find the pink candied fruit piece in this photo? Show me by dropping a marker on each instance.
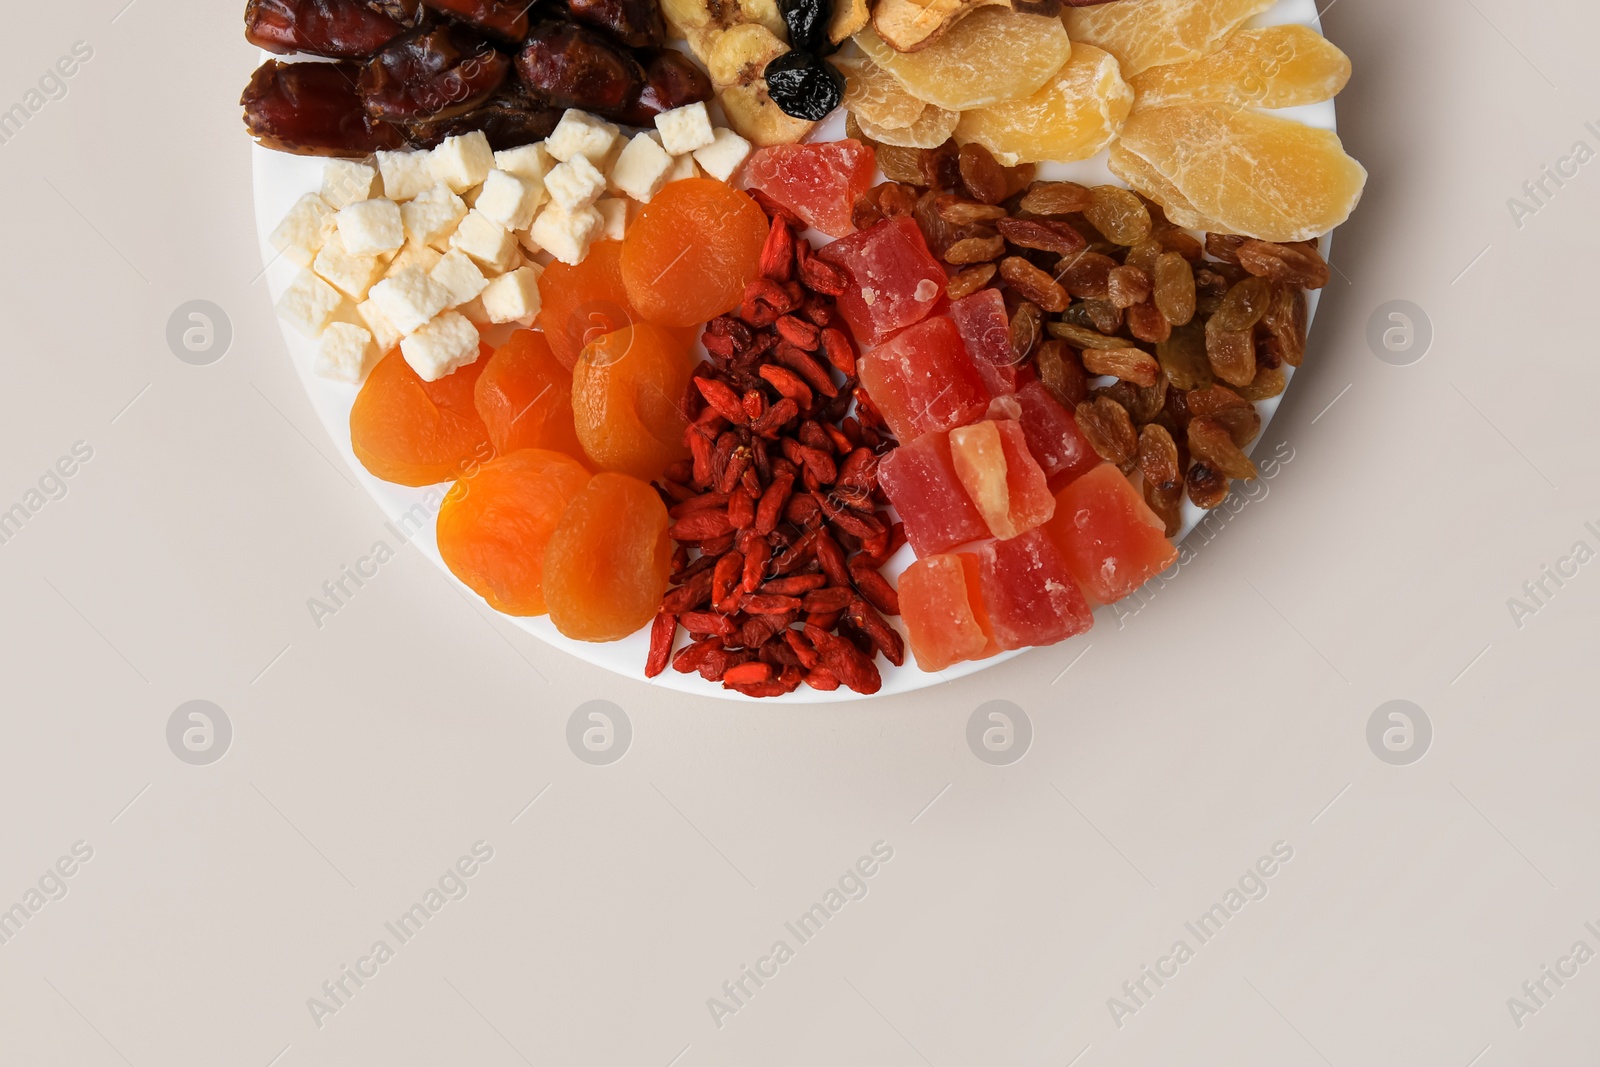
(893, 282)
(943, 611)
(920, 480)
(921, 380)
(1064, 454)
(819, 182)
(1112, 542)
(1001, 476)
(981, 318)
(1029, 593)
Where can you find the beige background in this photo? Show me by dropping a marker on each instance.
(1228, 715)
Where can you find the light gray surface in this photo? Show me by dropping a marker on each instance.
(1229, 714)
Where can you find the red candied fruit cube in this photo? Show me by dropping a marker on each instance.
(894, 280)
(920, 481)
(1001, 476)
(921, 380)
(1064, 454)
(1029, 592)
(1111, 540)
(819, 182)
(981, 318)
(943, 611)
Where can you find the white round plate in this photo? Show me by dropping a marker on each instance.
(281, 179)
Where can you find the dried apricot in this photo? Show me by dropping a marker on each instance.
(691, 252)
(1273, 67)
(608, 561)
(1073, 116)
(524, 397)
(411, 432)
(583, 302)
(494, 526)
(991, 55)
(1241, 172)
(1151, 33)
(627, 393)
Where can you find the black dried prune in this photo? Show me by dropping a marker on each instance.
(808, 25)
(804, 86)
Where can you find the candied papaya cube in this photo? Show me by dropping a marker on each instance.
(922, 381)
(1064, 454)
(1001, 476)
(920, 481)
(986, 329)
(893, 280)
(943, 611)
(1029, 593)
(1111, 540)
(818, 182)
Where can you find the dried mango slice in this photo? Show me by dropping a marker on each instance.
(874, 95)
(1150, 33)
(1072, 117)
(1252, 173)
(930, 131)
(993, 54)
(1279, 66)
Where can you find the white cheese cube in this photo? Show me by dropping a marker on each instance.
(299, 235)
(513, 296)
(384, 335)
(723, 157)
(309, 303)
(345, 182)
(371, 227)
(405, 174)
(613, 218)
(566, 236)
(641, 170)
(423, 257)
(433, 216)
(462, 161)
(351, 274)
(575, 184)
(682, 167)
(580, 134)
(443, 345)
(457, 273)
(409, 299)
(684, 129)
(485, 241)
(510, 200)
(525, 161)
(473, 312)
(343, 353)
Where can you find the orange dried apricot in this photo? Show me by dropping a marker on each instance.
(583, 302)
(607, 564)
(627, 395)
(524, 397)
(691, 252)
(411, 432)
(494, 526)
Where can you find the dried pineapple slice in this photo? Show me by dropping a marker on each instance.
(993, 54)
(874, 96)
(1150, 33)
(1279, 66)
(1141, 176)
(931, 130)
(1252, 173)
(1072, 117)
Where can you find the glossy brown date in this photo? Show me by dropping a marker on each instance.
(337, 29)
(671, 79)
(432, 73)
(565, 65)
(636, 23)
(408, 13)
(509, 119)
(506, 19)
(312, 109)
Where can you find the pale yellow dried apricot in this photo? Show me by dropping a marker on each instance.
(1150, 33)
(931, 130)
(1074, 116)
(874, 95)
(1278, 66)
(1246, 172)
(993, 54)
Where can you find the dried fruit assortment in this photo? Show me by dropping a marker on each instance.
(708, 383)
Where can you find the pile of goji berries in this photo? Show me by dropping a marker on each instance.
(778, 517)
